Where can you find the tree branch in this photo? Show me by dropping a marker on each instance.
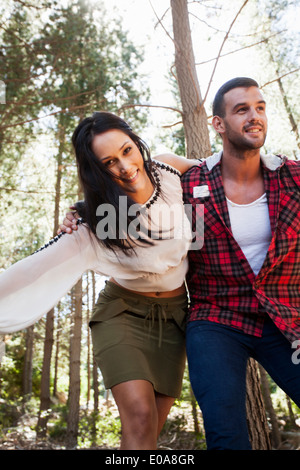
(32, 191)
(222, 45)
(150, 106)
(279, 78)
(28, 5)
(160, 22)
(240, 49)
(167, 126)
(66, 110)
(201, 2)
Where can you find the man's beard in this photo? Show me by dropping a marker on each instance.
(242, 143)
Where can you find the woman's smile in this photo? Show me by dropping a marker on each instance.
(132, 178)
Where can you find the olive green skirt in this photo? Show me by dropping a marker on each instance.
(140, 338)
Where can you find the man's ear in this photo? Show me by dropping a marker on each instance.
(218, 124)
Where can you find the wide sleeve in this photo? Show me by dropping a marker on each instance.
(32, 286)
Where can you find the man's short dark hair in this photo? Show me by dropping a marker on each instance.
(238, 82)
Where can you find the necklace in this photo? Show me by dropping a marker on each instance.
(157, 191)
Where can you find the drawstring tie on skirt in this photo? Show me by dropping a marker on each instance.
(156, 312)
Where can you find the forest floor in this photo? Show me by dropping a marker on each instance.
(178, 434)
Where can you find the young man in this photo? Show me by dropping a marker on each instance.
(245, 282)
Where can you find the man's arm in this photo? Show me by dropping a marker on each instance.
(182, 164)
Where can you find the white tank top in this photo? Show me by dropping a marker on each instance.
(250, 224)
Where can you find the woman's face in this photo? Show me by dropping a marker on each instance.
(122, 158)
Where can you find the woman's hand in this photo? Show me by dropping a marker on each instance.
(70, 222)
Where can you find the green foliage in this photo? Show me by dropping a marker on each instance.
(100, 429)
(10, 412)
(57, 423)
(11, 368)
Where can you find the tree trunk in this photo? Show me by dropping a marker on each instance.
(27, 370)
(275, 433)
(57, 345)
(45, 380)
(194, 411)
(95, 385)
(74, 388)
(193, 111)
(256, 416)
(88, 359)
(95, 367)
(2, 349)
(291, 413)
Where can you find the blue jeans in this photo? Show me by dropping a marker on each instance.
(217, 358)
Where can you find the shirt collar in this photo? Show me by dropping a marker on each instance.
(270, 161)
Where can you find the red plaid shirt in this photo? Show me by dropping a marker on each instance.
(223, 288)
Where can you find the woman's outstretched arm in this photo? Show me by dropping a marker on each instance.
(34, 285)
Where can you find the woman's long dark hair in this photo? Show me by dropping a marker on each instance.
(96, 180)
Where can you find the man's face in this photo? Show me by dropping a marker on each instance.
(245, 120)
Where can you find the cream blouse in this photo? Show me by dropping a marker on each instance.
(34, 285)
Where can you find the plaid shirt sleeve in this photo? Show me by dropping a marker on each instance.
(222, 285)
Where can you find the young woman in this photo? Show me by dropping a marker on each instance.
(134, 231)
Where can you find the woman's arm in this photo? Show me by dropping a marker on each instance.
(34, 285)
(182, 164)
